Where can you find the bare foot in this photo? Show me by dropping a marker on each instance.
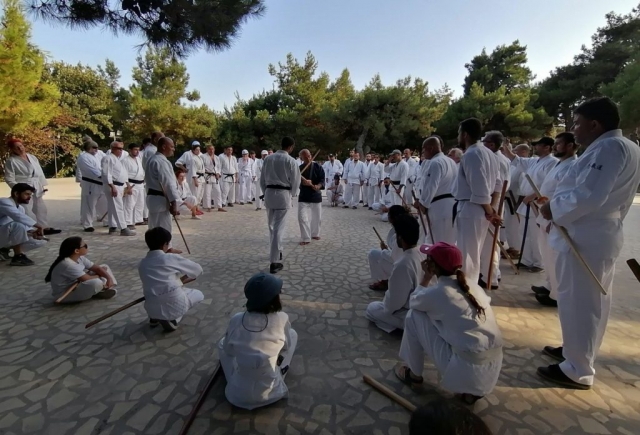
(304, 243)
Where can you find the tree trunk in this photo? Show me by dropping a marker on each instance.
(360, 142)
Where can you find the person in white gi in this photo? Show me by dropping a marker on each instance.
(310, 198)
(512, 201)
(279, 181)
(398, 171)
(437, 184)
(411, 175)
(72, 266)
(22, 167)
(537, 168)
(114, 177)
(345, 168)
(212, 176)
(353, 177)
(455, 154)
(188, 202)
(453, 323)
(92, 197)
(247, 175)
(148, 149)
(162, 189)
(365, 187)
(389, 314)
(258, 347)
(331, 167)
(385, 202)
(477, 190)
(564, 149)
(335, 192)
(193, 164)
(18, 231)
(381, 260)
(163, 275)
(591, 202)
(134, 197)
(376, 175)
(258, 172)
(229, 171)
(252, 157)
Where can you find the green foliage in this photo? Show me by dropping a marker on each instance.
(626, 90)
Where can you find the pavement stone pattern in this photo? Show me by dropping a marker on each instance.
(123, 378)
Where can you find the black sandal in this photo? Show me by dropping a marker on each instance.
(404, 374)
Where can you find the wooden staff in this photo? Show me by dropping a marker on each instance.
(635, 267)
(203, 395)
(378, 234)
(113, 313)
(310, 162)
(567, 238)
(506, 254)
(176, 221)
(390, 394)
(496, 231)
(68, 292)
(422, 217)
(103, 216)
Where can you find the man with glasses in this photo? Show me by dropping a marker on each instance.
(114, 177)
(92, 198)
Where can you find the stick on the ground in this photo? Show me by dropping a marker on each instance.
(390, 394)
(506, 254)
(203, 395)
(68, 292)
(567, 238)
(635, 267)
(113, 313)
(378, 234)
(496, 231)
(309, 164)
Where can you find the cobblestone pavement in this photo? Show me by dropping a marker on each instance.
(122, 378)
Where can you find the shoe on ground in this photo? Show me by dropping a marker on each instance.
(276, 267)
(168, 325)
(131, 227)
(534, 269)
(229, 205)
(127, 232)
(153, 323)
(483, 284)
(554, 352)
(354, 207)
(112, 231)
(249, 202)
(554, 373)
(106, 293)
(4, 254)
(346, 206)
(89, 230)
(198, 218)
(370, 208)
(50, 231)
(540, 290)
(21, 260)
(258, 208)
(315, 238)
(141, 223)
(546, 300)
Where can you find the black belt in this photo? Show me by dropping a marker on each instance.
(155, 192)
(200, 174)
(99, 183)
(455, 210)
(439, 197)
(131, 180)
(117, 183)
(278, 187)
(229, 175)
(511, 208)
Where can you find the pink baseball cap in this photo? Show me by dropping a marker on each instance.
(445, 255)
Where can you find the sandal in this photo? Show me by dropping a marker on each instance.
(403, 373)
(467, 399)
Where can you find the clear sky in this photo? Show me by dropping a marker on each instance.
(432, 39)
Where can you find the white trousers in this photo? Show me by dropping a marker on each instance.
(238, 193)
(134, 205)
(549, 259)
(245, 188)
(160, 219)
(87, 289)
(457, 375)
(330, 197)
(16, 234)
(348, 193)
(309, 218)
(211, 192)
(471, 230)
(276, 220)
(115, 207)
(197, 191)
(257, 193)
(408, 197)
(484, 260)
(380, 264)
(189, 202)
(512, 228)
(531, 256)
(396, 199)
(376, 206)
(145, 209)
(388, 322)
(37, 210)
(365, 195)
(91, 197)
(583, 311)
(355, 195)
(228, 192)
(374, 194)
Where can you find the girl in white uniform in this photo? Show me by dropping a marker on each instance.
(72, 266)
(258, 347)
(452, 322)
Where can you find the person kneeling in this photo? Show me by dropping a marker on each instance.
(386, 201)
(188, 202)
(335, 192)
(72, 266)
(163, 275)
(389, 314)
(257, 349)
(381, 260)
(454, 324)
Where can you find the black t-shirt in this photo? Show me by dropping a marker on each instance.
(315, 173)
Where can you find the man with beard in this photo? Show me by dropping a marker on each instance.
(366, 187)
(92, 199)
(191, 162)
(134, 197)
(114, 177)
(211, 177)
(411, 175)
(310, 198)
(354, 179)
(398, 171)
(347, 188)
(229, 169)
(376, 175)
(331, 167)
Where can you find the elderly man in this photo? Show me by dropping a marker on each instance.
(258, 173)
(310, 198)
(455, 154)
(134, 198)
(229, 170)
(92, 198)
(247, 175)
(192, 163)
(212, 175)
(279, 181)
(398, 171)
(114, 177)
(353, 177)
(22, 167)
(18, 231)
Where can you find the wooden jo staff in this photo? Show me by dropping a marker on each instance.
(203, 395)
(68, 292)
(635, 267)
(378, 234)
(389, 393)
(433, 240)
(506, 254)
(310, 162)
(567, 238)
(175, 219)
(496, 231)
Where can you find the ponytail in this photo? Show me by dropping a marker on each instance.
(462, 282)
(67, 248)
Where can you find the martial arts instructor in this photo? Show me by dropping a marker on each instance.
(279, 181)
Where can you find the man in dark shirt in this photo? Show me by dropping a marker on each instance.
(310, 198)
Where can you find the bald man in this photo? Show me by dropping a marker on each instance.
(310, 198)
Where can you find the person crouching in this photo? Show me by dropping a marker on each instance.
(257, 349)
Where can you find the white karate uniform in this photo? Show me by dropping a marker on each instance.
(211, 189)
(399, 174)
(280, 169)
(337, 194)
(511, 217)
(376, 175)
(478, 177)
(366, 187)
(466, 349)
(134, 203)
(257, 190)
(15, 224)
(67, 272)
(330, 170)
(165, 296)
(591, 201)
(148, 152)
(159, 177)
(348, 192)
(228, 168)
(114, 172)
(411, 178)
(437, 184)
(249, 354)
(18, 170)
(247, 174)
(537, 168)
(386, 200)
(405, 276)
(354, 174)
(92, 198)
(187, 198)
(195, 173)
(381, 261)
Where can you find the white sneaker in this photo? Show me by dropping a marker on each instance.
(127, 232)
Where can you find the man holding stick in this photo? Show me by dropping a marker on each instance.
(591, 201)
(398, 171)
(310, 198)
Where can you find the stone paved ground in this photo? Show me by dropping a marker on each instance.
(121, 377)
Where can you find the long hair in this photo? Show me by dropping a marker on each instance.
(462, 282)
(67, 249)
